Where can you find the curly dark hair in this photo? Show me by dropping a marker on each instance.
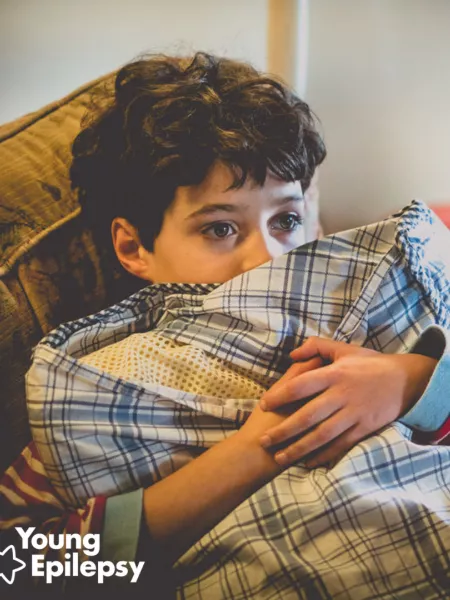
(168, 120)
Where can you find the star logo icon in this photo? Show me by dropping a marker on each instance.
(9, 560)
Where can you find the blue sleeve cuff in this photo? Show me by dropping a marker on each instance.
(122, 526)
(433, 408)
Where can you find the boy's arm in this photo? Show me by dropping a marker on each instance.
(178, 510)
(181, 508)
(430, 414)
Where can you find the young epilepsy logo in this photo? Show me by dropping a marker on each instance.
(72, 566)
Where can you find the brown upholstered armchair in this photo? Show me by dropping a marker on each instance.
(50, 269)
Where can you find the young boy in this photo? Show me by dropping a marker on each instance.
(196, 173)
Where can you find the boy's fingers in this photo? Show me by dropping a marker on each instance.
(312, 414)
(296, 388)
(297, 369)
(316, 346)
(337, 449)
(323, 434)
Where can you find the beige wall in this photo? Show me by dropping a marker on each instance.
(378, 76)
(379, 79)
(49, 47)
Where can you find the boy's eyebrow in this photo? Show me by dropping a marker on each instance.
(212, 208)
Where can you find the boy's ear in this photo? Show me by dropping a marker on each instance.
(129, 250)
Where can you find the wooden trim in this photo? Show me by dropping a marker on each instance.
(288, 26)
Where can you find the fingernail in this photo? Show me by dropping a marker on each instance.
(263, 404)
(281, 458)
(265, 441)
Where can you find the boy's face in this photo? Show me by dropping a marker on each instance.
(210, 235)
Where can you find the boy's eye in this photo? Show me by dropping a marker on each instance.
(288, 221)
(219, 230)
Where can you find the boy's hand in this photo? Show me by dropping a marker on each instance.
(356, 393)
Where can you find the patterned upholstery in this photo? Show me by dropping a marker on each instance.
(50, 269)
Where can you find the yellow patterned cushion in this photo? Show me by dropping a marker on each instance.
(152, 358)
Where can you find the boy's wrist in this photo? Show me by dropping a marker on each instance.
(259, 459)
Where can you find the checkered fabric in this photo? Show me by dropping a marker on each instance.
(376, 525)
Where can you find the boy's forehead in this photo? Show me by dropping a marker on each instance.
(215, 189)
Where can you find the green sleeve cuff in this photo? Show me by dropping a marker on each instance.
(122, 526)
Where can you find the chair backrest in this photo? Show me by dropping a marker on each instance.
(50, 269)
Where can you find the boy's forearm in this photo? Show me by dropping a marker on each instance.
(180, 509)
